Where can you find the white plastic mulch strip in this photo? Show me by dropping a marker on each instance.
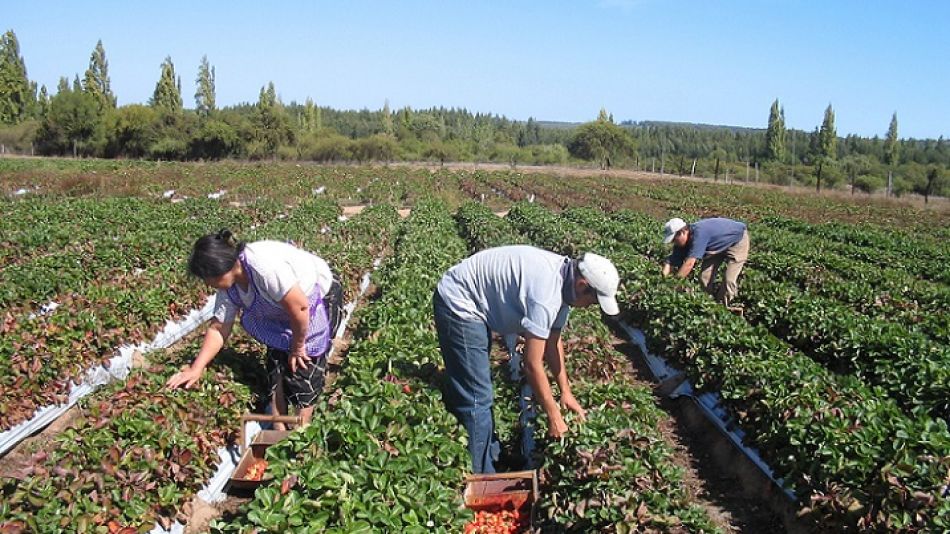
(213, 491)
(710, 404)
(45, 309)
(118, 369)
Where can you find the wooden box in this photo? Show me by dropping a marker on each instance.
(517, 490)
(258, 447)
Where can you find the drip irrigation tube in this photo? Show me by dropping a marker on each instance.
(710, 404)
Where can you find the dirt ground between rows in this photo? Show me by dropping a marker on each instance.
(714, 487)
(349, 211)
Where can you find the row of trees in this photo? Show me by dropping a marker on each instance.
(82, 119)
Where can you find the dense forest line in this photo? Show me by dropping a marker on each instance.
(82, 119)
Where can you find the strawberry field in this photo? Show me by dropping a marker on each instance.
(837, 372)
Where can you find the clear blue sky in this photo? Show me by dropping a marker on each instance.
(706, 61)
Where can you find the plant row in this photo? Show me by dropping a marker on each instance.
(613, 471)
(280, 182)
(135, 491)
(798, 259)
(915, 253)
(136, 454)
(65, 245)
(854, 459)
(382, 454)
(910, 303)
(41, 353)
(909, 367)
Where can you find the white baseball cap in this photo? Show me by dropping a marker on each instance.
(671, 227)
(601, 274)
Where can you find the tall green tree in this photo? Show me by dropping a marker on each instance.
(854, 166)
(827, 144)
(73, 125)
(205, 93)
(96, 80)
(42, 102)
(932, 184)
(311, 120)
(17, 93)
(775, 134)
(215, 139)
(167, 96)
(892, 147)
(131, 131)
(388, 125)
(601, 141)
(271, 124)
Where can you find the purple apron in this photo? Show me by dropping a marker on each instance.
(268, 322)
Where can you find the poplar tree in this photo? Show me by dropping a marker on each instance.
(272, 122)
(892, 146)
(167, 95)
(775, 134)
(827, 143)
(389, 127)
(96, 81)
(311, 117)
(42, 102)
(17, 94)
(205, 93)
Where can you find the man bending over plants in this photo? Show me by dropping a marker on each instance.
(714, 241)
(513, 290)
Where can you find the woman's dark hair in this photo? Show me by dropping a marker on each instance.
(214, 254)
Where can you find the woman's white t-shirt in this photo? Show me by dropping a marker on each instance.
(276, 267)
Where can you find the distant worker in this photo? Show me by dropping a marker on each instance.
(289, 300)
(513, 290)
(714, 241)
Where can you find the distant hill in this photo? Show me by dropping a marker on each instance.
(690, 125)
(558, 125)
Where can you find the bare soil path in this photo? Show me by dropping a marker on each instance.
(716, 487)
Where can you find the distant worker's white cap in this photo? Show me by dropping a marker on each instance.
(601, 274)
(671, 227)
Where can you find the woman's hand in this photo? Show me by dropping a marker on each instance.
(568, 402)
(298, 359)
(188, 377)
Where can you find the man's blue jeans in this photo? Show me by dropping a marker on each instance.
(468, 390)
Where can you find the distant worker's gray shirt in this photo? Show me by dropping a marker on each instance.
(513, 290)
